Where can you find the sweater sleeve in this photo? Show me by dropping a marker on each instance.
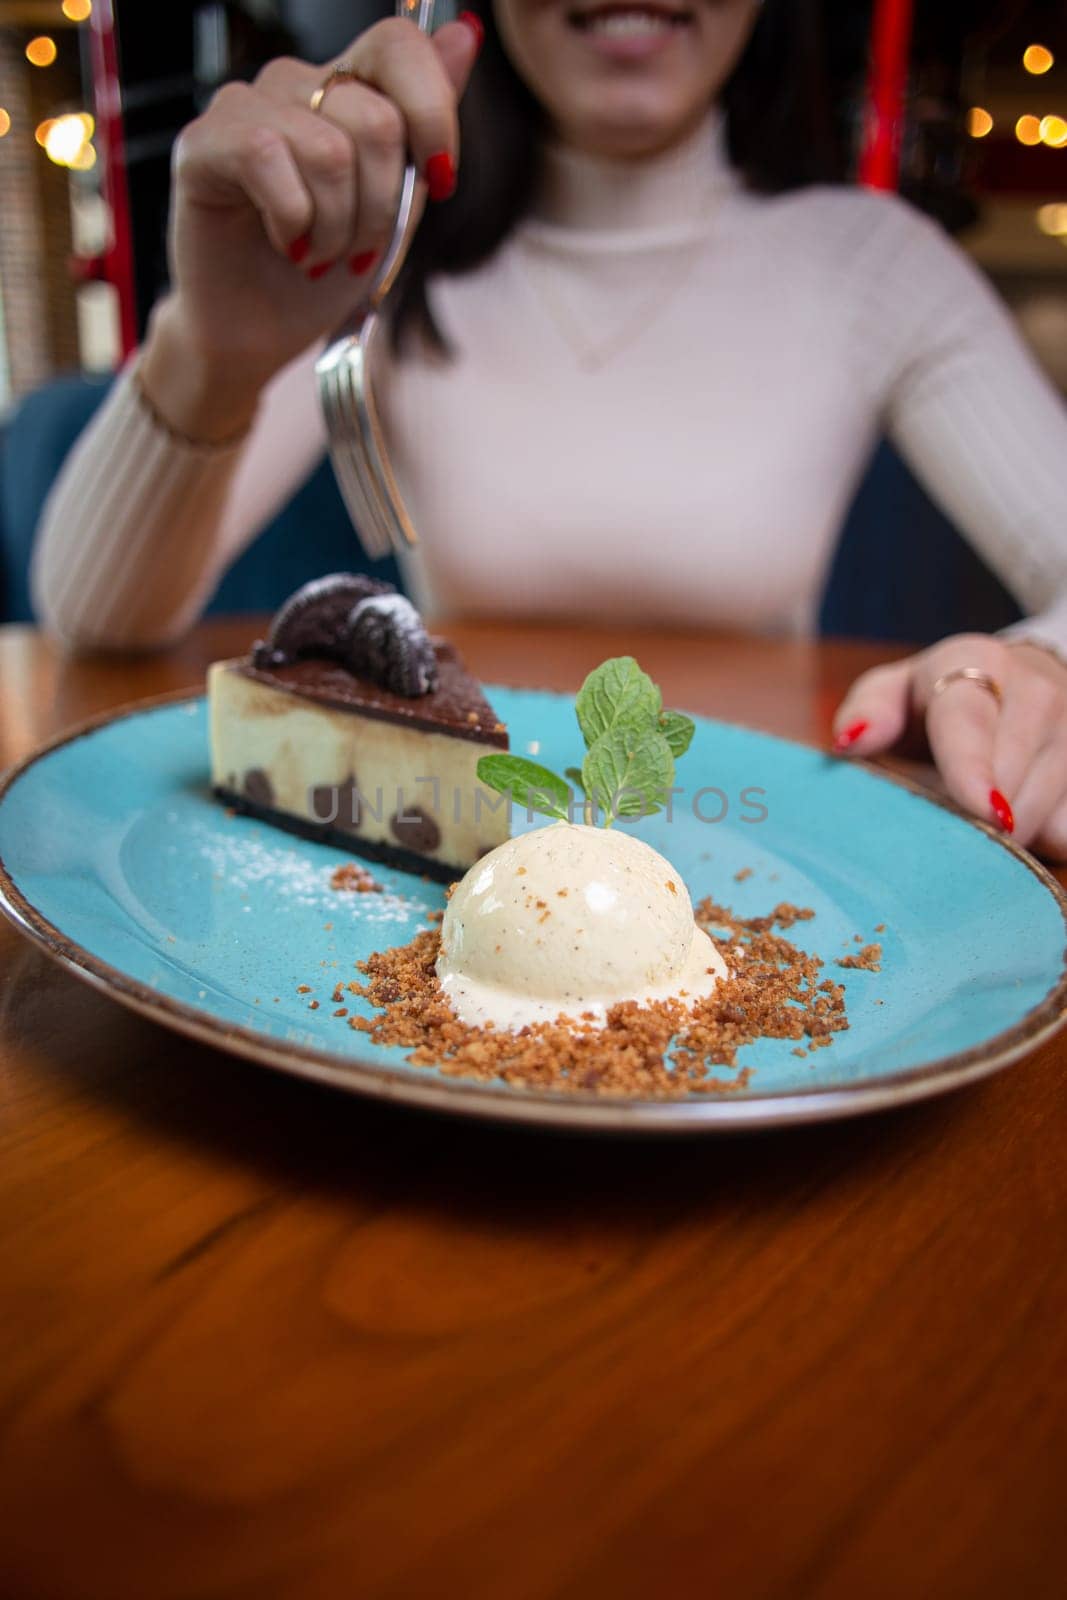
(140, 526)
(974, 416)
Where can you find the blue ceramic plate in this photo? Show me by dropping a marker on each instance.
(115, 858)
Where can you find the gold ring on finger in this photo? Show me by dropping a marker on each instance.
(342, 74)
(968, 675)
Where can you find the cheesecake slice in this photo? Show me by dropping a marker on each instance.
(328, 745)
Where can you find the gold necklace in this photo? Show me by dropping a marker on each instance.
(594, 354)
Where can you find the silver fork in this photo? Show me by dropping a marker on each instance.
(353, 426)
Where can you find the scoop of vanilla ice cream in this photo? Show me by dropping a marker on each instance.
(566, 920)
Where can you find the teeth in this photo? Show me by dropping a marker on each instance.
(628, 24)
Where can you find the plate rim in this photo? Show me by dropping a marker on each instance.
(500, 1104)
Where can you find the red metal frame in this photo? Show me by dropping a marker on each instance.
(879, 166)
(111, 143)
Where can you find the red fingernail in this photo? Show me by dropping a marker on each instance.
(848, 736)
(320, 269)
(475, 24)
(1002, 810)
(441, 176)
(362, 262)
(299, 248)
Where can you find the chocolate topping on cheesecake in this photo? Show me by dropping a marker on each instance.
(455, 705)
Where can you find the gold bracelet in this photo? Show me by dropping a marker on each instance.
(206, 445)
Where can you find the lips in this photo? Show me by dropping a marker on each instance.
(623, 19)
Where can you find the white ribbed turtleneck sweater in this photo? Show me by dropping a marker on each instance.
(663, 394)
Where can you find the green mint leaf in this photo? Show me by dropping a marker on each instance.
(617, 693)
(628, 773)
(531, 786)
(574, 776)
(678, 730)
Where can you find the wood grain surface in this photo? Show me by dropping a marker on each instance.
(259, 1341)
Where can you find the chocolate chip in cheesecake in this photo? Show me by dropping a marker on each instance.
(257, 787)
(415, 830)
(315, 620)
(337, 804)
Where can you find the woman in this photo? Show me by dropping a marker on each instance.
(626, 382)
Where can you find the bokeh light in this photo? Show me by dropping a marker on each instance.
(1028, 130)
(42, 131)
(979, 122)
(5, 122)
(1052, 219)
(66, 139)
(41, 52)
(1054, 131)
(77, 10)
(1037, 59)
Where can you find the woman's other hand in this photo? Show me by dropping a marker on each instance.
(279, 213)
(1005, 762)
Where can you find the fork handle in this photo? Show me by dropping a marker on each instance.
(403, 230)
(421, 12)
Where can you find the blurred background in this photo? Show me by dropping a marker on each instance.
(94, 92)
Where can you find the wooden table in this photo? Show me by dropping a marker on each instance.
(258, 1340)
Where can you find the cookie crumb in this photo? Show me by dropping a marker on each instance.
(869, 959)
(662, 1050)
(354, 879)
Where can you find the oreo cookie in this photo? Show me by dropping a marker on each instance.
(388, 643)
(315, 620)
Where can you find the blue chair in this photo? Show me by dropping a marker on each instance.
(312, 535)
(900, 572)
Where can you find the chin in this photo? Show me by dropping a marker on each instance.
(634, 130)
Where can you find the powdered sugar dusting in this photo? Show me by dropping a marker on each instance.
(245, 859)
(388, 641)
(400, 611)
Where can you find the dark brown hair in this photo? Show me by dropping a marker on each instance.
(780, 135)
